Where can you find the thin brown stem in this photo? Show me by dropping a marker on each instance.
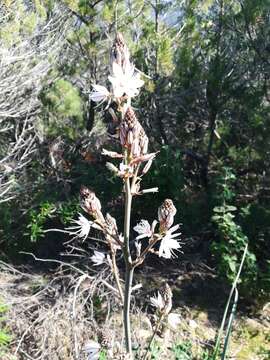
(151, 244)
(153, 336)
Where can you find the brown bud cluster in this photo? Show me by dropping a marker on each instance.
(119, 51)
(166, 294)
(112, 232)
(166, 213)
(111, 224)
(129, 128)
(91, 204)
(132, 134)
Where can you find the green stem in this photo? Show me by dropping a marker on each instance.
(229, 327)
(228, 304)
(128, 201)
(128, 288)
(129, 267)
(153, 336)
(116, 276)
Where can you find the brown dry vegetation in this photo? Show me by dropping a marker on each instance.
(51, 317)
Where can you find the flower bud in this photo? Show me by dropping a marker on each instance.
(119, 51)
(143, 142)
(166, 213)
(166, 294)
(111, 224)
(130, 129)
(111, 154)
(90, 203)
(147, 167)
(112, 235)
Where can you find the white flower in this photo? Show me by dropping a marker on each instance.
(169, 243)
(98, 258)
(157, 301)
(125, 81)
(143, 228)
(92, 349)
(100, 93)
(82, 227)
(174, 320)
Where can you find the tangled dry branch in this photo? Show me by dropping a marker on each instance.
(24, 64)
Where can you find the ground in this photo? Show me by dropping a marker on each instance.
(52, 315)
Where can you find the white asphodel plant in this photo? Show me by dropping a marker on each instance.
(135, 161)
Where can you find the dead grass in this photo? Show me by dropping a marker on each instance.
(52, 318)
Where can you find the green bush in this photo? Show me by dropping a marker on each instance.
(230, 239)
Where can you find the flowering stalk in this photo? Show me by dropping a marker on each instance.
(135, 163)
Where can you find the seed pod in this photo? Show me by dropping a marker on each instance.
(166, 213)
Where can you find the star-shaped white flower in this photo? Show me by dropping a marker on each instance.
(100, 93)
(169, 243)
(157, 301)
(125, 81)
(144, 229)
(82, 227)
(98, 258)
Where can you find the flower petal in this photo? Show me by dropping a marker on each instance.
(98, 258)
(100, 93)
